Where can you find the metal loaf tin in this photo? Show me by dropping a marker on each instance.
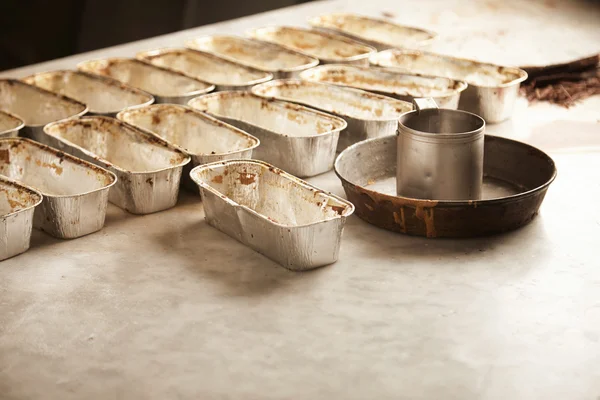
(516, 179)
(10, 125)
(204, 138)
(446, 92)
(327, 47)
(36, 107)
(75, 191)
(225, 75)
(103, 96)
(277, 60)
(297, 139)
(167, 86)
(368, 115)
(286, 219)
(17, 204)
(148, 168)
(379, 33)
(492, 90)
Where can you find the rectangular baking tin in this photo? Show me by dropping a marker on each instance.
(75, 191)
(148, 168)
(278, 215)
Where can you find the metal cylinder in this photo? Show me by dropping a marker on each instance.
(440, 153)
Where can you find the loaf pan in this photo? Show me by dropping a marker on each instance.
(148, 168)
(297, 139)
(10, 125)
(102, 95)
(446, 92)
(327, 47)
(225, 75)
(75, 191)
(17, 204)
(36, 107)
(368, 115)
(204, 138)
(288, 220)
(492, 90)
(167, 86)
(277, 60)
(379, 33)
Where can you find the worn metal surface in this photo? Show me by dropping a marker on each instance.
(147, 167)
(368, 115)
(75, 191)
(102, 95)
(205, 139)
(379, 33)
(17, 204)
(36, 106)
(440, 153)
(286, 219)
(223, 74)
(516, 179)
(278, 60)
(10, 124)
(297, 139)
(167, 86)
(327, 47)
(492, 90)
(446, 92)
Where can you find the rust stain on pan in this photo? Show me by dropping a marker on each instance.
(247, 178)
(218, 178)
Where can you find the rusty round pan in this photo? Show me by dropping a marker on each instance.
(516, 179)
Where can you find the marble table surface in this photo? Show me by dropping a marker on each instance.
(165, 307)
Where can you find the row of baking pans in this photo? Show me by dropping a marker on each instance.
(344, 44)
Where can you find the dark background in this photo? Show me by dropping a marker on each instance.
(33, 31)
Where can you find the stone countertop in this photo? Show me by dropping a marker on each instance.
(163, 306)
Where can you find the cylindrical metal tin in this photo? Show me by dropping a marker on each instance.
(440, 153)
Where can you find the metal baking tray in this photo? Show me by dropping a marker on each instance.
(75, 191)
(36, 107)
(225, 75)
(516, 179)
(17, 204)
(379, 33)
(205, 139)
(103, 95)
(446, 92)
(147, 167)
(368, 115)
(492, 90)
(327, 47)
(280, 216)
(279, 61)
(10, 125)
(167, 86)
(297, 139)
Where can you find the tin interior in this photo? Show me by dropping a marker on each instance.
(205, 67)
(8, 122)
(157, 81)
(279, 117)
(192, 131)
(51, 172)
(36, 106)
(472, 72)
(101, 95)
(260, 55)
(317, 44)
(383, 81)
(116, 143)
(271, 193)
(338, 100)
(442, 122)
(14, 198)
(374, 29)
